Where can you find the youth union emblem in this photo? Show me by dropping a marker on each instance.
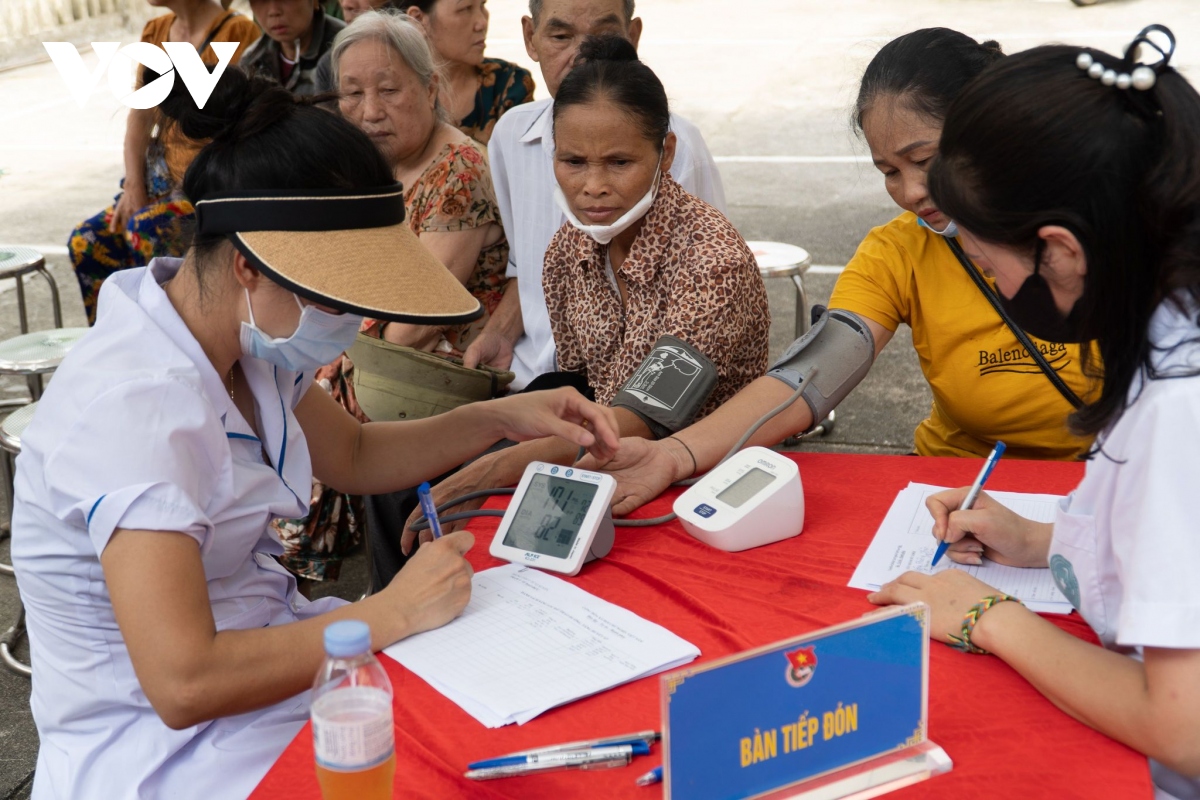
(802, 664)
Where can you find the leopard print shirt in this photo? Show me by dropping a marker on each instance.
(688, 274)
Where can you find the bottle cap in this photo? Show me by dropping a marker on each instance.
(347, 638)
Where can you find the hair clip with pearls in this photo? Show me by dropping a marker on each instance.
(1139, 76)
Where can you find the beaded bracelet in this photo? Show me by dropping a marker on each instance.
(963, 642)
(695, 466)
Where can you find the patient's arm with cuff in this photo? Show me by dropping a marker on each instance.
(644, 469)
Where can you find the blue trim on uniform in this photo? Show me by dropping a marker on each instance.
(243, 436)
(94, 506)
(299, 378)
(283, 411)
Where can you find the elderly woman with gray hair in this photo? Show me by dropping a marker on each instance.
(387, 85)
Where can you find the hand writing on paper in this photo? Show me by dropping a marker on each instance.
(435, 584)
(949, 595)
(988, 530)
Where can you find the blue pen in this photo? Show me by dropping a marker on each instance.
(429, 509)
(972, 494)
(637, 748)
(650, 778)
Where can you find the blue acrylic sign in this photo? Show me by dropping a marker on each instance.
(798, 709)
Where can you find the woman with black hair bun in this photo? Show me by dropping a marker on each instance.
(638, 259)
(171, 651)
(1074, 176)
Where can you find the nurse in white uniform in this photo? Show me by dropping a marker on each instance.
(171, 652)
(1078, 188)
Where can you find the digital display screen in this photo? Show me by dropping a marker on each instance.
(745, 487)
(550, 516)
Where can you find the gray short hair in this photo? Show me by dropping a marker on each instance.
(397, 30)
(535, 10)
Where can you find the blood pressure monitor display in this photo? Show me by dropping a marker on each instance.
(550, 515)
(746, 487)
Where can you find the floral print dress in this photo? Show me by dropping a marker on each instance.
(502, 85)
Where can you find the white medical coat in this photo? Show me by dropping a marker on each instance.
(137, 431)
(1126, 546)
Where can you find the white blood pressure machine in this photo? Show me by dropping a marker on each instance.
(558, 520)
(753, 498)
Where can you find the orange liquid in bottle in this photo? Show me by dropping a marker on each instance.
(374, 783)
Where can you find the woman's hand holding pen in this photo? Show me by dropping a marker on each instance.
(988, 530)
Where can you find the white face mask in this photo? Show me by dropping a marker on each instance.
(604, 234)
(949, 232)
(319, 338)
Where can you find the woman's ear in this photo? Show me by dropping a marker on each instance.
(1062, 254)
(245, 274)
(1064, 265)
(668, 152)
(420, 16)
(434, 87)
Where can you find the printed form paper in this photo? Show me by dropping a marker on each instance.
(905, 542)
(529, 641)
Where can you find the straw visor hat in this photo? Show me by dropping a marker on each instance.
(348, 249)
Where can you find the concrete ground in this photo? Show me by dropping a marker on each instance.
(769, 82)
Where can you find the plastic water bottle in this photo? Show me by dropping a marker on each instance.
(353, 739)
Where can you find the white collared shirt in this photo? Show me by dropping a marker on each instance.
(1125, 549)
(521, 152)
(136, 430)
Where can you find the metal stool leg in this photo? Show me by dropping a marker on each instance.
(58, 323)
(9, 473)
(21, 305)
(8, 643)
(6, 528)
(802, 321)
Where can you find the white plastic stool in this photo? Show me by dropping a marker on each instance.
(11, 430)
(35, 354)
(16, 262)
(779, 260)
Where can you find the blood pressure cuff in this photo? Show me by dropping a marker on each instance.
(842, 349)
(669, 387)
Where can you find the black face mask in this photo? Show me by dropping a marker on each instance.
(1034, 311)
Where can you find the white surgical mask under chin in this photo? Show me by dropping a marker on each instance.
(319, 338)
(950, 231)
(604, 234)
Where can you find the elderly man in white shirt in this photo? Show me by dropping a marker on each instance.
(521, 152)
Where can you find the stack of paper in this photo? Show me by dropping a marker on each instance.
(905, 542)
(528, 642)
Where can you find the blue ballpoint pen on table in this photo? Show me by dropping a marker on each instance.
(596, 758)
(636, 748)
(650, 778)
(972, 494)
(429, 510)
(640, 741)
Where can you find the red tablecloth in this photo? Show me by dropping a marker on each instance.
(1006, 740)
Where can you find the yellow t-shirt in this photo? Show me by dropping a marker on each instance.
(985, 386)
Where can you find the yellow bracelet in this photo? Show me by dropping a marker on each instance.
(971, 617)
